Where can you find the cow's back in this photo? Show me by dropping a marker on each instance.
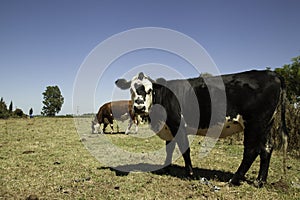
(250, 94)
(119, 108)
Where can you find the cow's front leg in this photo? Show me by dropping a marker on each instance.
(112, 128)
(131, 122)
(170, 146)
(188, 162)
(183, 144)
(104, 127)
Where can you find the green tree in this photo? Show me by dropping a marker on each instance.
(10, 108)
(3, 110)
(53, 101)
(31, 113)
(291, 74)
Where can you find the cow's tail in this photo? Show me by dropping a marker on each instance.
(284, 131)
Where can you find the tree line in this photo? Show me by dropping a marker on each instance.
(9, 112)
(291, 75)
(53, 101)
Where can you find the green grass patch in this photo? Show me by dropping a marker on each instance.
(46, 157)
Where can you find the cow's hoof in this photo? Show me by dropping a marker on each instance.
(128, 132)
(259, 183)
(234, 182)
(189, 171)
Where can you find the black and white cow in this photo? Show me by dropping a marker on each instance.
(251, 100)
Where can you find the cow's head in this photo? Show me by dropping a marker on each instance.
(141, 89)
(95, 125)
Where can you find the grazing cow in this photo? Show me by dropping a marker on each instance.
(119, 110)
(251, 101)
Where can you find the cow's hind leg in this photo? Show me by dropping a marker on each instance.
(95, 127)
(249, 156)
(128, 127)
(265, 157)
(118, 128)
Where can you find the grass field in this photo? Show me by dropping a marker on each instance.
(46, 158)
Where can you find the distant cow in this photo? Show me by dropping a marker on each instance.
(119, 110)
(252, 97)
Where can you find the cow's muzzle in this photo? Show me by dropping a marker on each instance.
(139, 110)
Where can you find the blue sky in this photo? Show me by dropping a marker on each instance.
(44, 43)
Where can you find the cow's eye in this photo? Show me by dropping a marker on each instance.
(149, 91)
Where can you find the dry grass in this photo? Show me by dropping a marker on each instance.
(45, 157)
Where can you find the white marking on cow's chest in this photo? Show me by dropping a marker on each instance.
(229, 127)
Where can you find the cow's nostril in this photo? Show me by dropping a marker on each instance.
(139, 101)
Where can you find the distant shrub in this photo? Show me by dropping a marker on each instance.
(293, 125)
(19, 113)
(292, 115)
(65, 116)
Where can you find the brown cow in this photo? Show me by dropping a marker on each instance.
(119, 110)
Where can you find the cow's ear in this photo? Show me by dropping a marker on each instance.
(161, 81)
(123, 84)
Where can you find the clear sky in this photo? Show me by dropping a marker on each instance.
(45, 42)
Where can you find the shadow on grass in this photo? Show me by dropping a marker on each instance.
(114, 133)
(173, 170)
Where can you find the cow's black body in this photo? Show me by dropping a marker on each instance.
(255, 95)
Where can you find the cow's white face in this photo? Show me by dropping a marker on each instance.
(141, 89)
(141, 94)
